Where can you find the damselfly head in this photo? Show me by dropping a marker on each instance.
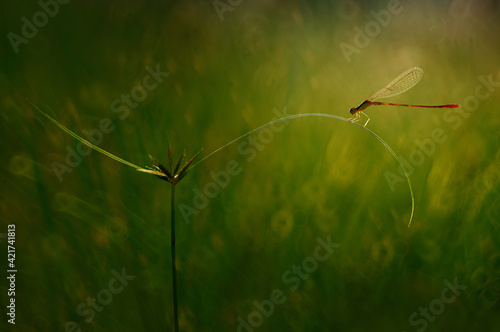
(352, 110)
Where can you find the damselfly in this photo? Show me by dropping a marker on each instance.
(400, 84)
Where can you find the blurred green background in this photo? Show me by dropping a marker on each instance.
(228, 71)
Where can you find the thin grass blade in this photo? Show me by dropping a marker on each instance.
(160, 167)
(84, 141)
(321, 115)
(184, 171)
(170, 159)
(180, 161)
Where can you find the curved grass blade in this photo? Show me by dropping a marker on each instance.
(322, 115)
(84, 141)
(187, 169)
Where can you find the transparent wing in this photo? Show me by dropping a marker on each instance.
(400, 84)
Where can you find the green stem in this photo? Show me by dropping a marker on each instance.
(321, 115)
(172, 242)
(284, 119)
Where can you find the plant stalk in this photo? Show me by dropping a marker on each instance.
(283, 119)
(172, 243)
(322, 115)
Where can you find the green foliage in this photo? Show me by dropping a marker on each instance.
(313, 179)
